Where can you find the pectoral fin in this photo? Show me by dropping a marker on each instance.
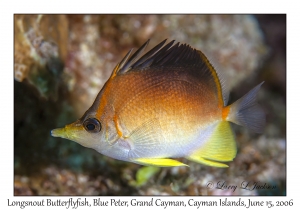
(145, 140)
(220, 147)
(146, 148)
(161, 162)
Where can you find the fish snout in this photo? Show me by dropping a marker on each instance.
(58, 132)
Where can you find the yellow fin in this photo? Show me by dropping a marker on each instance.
(208, 162)
(220, 147)
(161, 162)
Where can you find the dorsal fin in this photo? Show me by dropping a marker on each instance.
(219, 85)
(146, 60)
(222, 77)
(178, 55)
(149, 54)
(127, 65)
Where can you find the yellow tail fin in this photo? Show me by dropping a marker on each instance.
(220, 147)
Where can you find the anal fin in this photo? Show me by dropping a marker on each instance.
(208, 162)
(161, 162)
(220, 147)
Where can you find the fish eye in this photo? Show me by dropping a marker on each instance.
(92, 125)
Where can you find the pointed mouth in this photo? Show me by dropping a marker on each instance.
(68, 132)
(58, 132)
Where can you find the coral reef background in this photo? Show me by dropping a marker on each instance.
(62, 61)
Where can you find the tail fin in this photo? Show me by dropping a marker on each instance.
(247, 112)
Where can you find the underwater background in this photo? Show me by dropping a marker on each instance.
(62, 61)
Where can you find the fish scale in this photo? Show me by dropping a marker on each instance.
(165, 104)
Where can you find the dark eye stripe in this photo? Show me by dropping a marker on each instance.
(92, 125)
